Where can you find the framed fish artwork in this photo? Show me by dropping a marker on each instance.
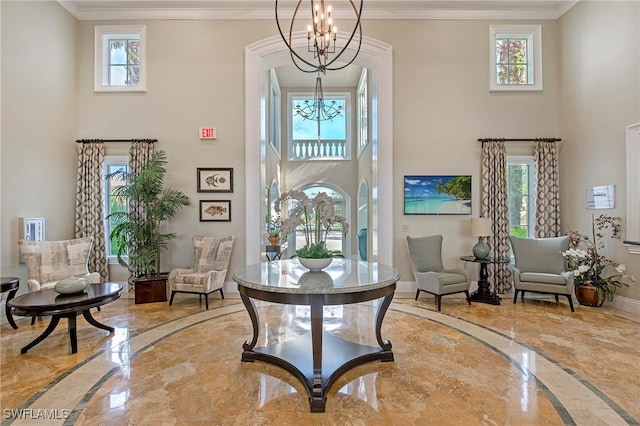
(215, 180)
(215, 210)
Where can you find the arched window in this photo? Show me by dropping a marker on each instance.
(336, 241)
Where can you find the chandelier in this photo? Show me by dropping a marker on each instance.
(317, 109)
(322, 34)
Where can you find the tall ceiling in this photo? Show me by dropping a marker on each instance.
(264, 9)
(289, 76)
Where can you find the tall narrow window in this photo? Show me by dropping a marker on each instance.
(113, 164)
(363, 118)
(520, 195)
(516, 57)
(119, 58)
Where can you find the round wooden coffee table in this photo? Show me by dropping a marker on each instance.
(49, 303)
(10, 284)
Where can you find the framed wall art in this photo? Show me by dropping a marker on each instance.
(215, 210)
(215, 180)
(601, 197)
(437, 194)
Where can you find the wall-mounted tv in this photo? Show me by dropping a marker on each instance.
(437, 194)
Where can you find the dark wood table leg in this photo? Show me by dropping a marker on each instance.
(73, 335)
(52, 325)
(91, 320)
(382, 310)
(253, 314)
(7, 308)
(484, 294)
(318, 395)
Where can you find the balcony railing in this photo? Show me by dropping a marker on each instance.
(319, 150)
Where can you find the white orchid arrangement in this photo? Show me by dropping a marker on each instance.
(592, 268)
(315, 217)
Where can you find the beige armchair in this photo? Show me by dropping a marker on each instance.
(431, 276)
(541, 268)
(212, 255)
(51, 261)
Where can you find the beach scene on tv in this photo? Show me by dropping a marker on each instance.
(437, 194)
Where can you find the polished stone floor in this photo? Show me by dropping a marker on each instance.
(534, 363)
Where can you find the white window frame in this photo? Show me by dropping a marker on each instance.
(109, 160)
(528, 160)
(533, 33)
(633, 188)
(363, 118)
(275, 106)
(103, 33)
(292, 97)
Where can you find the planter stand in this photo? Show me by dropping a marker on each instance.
(151, 289)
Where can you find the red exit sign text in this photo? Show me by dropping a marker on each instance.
(207, 133)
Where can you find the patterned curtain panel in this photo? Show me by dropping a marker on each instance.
(139, 155)
(547, 219)
(494, 206)
(89, 207)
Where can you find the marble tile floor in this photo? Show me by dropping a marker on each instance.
(533, 363)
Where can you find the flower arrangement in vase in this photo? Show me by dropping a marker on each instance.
(592, 269)
(314, 217)
(273, 229)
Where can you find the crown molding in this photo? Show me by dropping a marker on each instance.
(95, 10)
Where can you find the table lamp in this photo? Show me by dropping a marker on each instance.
(481, 227)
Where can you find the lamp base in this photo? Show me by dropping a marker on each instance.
(481, 250)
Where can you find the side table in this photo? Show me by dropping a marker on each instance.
(484, 293)
(10, 284)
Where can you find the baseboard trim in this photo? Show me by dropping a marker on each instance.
(626, 304)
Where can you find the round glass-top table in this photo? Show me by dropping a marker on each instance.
(317, 358)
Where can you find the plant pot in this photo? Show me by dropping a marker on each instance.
(589, 295)
(273, 239)
(151, 288)
(315, 264)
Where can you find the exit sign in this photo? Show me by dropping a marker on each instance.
(207, 133)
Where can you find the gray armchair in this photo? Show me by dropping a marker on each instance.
(541, 268)
(430, 274)
(212, 257)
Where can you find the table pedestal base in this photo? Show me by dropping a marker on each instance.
(73, 339)
(490, 298)
(338, 356)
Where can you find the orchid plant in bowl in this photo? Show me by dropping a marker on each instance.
(315, 217)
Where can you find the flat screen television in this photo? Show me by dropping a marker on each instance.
(437, 194)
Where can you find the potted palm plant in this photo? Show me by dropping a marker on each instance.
(137, 234)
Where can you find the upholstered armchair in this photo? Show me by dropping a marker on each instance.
(51, 261)
(431, 276)
(212, 255)
(540, 267)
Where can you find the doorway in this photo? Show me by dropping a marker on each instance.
(374, 55)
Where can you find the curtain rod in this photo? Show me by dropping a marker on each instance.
(115, 140)
(519, 140)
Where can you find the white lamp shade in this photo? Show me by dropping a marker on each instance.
(480, 226)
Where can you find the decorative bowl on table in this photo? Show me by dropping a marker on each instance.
(315, 264)
(71, 285)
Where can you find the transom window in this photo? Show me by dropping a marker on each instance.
(119, 58)
(516, 59)
(319, 140)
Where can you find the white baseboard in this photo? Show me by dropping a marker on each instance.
(626, 304)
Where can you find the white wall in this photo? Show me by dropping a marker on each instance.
(441, 105)
(39, 123)
(600, 96)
